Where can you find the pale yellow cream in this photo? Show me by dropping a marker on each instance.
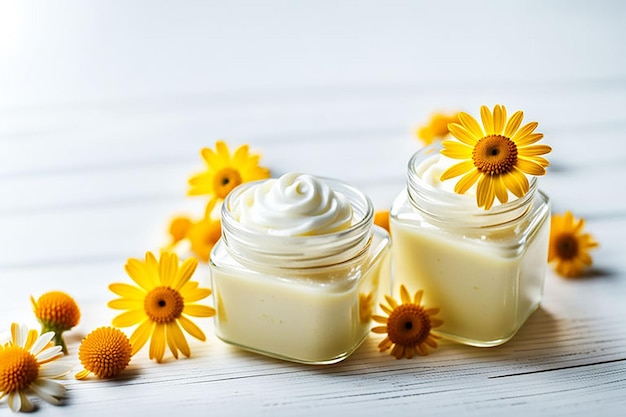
(297, 271)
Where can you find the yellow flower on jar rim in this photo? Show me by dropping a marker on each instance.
(497, 155)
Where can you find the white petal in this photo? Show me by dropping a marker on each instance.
(49, 391)
(49, 353)
(41, 342)
(18, 402)
(54, 370)
(21, 335)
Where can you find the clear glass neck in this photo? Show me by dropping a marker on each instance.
(440, 205)
(252, 247)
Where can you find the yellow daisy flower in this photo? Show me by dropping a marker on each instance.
(26, 365)
(498, 157)
(225, 171)
(204, 234)
(569, 247)
(105, 351)
(160, 304)
(179, 226)
(408, 325)
(57, 312)
(437, 127)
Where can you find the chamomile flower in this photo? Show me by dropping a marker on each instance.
(57, 312)
(161, 304)
(224, 171)
(569, 246)
(407, 326)
(437, 127)
(497, 155)
(27, 366)
(106, 352)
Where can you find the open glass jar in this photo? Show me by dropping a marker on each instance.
(484, 269)
(306, 299)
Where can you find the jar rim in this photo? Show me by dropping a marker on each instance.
(439, 204)
(257, 247)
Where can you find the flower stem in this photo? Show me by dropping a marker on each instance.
(58, 336)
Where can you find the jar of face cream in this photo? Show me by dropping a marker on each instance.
(484, 269)
(297, 271)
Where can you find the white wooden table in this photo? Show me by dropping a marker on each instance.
(104, 107)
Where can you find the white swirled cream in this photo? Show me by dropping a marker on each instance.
(297, 271)
(293, 205)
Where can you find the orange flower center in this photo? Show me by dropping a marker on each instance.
(566, 246)
(57, 310)
(18, 368)
(225, 180)
(106, 352)
(408, 325)
(163, 304)
(495, 155)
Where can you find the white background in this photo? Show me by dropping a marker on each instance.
(104, 106)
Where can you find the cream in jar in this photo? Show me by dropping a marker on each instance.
(296, 273)
(484, 269)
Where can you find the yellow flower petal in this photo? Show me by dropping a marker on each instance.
(125, 304)
(127, 291)
(534, 150)
(513, 182)
(513, 124)
(191, 328)
(485, 193)
(487, 118)
(379, 329)
(529, 139)
(169, 336)
(524, 132)
(137, 271)
(471, 125)
(178, 338)
(463, 134)
(404, 295)
(499, 118)
(168, 268)
(197, 310)
(129, 318)
(193, 295)
(141, 335)
(467, 181)
(457, 169)
(456, 150)
(417, 299)
(185, 272)
(157, 342)
(500, 188)
(530, 167)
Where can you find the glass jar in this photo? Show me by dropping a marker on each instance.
(484, 269)
(305, 299)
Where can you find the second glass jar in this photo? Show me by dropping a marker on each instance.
(484, 269)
